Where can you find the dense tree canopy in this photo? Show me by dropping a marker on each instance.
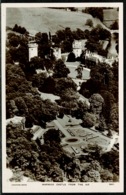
(20, 29)
(93, 42)
(89, 120)
(71, 57)
(52, 135)
(37, 63)
(60, 70)
(61, 84)
(96, 12)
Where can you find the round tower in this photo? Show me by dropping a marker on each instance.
(77, 48)
(33, 50)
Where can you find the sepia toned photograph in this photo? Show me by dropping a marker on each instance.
(62, 117)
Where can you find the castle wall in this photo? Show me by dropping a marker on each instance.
(33, 50)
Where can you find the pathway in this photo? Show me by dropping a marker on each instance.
(66, 133)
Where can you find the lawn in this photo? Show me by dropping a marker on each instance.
(73, 73)
(45, 19)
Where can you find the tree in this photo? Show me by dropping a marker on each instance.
(38, 80)
(102, 126)
(90, 87)
(16, 82)
(69, 100)
(112, 162)
(98, 26)
(71, 57)
(89, 120)
(74, 9)
(114, 26)
(66, 45)
(42, 111)
(48, 86)
(100, 33)
(19, 29)
(22, 54)
(29, 121)
(89, 22)
(113, 86)
(95, 12)
(106, 176)
(93, 176)
(109, 100)
(38, 37)
(104, 34)
(69, 95)
(61, 35)
(82, 108)
(9, 59)
(14, 40)
(60, 70)
(44, 38)
(102, 75)
(48, 63)
(61, 84)
(96, 103)
(24, 41)
(114, 117)
(17, 175)
(22, 108)
(80, 34)
(37, 63)
(117, 48)
(93, 45)
(79, 70)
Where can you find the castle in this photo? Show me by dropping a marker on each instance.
(33, 50)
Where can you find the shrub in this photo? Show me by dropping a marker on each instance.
(89, 23)
(114, 26)
(89, 120)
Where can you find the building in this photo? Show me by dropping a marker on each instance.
(91, 59)
(78, 46)
(16, 121)
(33, 50)
(110, 16)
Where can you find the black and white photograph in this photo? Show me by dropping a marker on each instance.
(62, 97)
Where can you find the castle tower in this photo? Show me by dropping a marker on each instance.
(77, 48)
(33, 50)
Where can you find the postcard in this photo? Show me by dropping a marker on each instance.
(62, 97)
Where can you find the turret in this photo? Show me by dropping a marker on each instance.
(33, 50)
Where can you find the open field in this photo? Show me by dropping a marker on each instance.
(45, 19)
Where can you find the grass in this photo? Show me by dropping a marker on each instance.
(45, 19)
